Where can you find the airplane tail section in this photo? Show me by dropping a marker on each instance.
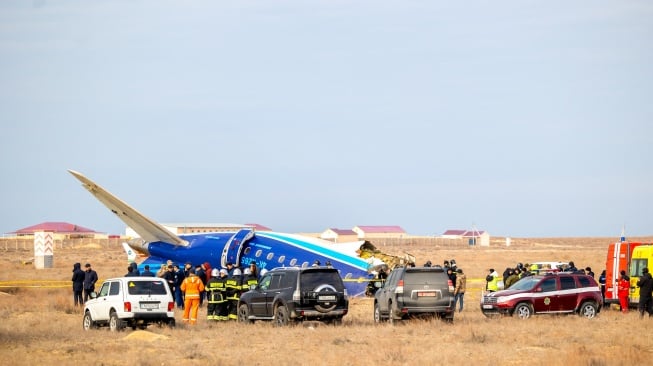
(149, 230)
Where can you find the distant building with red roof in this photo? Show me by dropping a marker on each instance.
(384, 231)
(60, 228)
(474, 237)
(339, 235)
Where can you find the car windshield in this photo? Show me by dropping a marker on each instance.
(146, 287)
(525, 283)
(313, 279)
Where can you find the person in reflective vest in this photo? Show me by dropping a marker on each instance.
(191, 287)
(250, 281)
(492, 281)
(234, 287)
(214, 292)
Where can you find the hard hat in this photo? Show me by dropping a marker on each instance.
(215, 272)
(224, 271)
(237, 272)
(264, 271)
(247, 272)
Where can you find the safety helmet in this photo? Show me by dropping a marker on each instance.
(215, 272)
(247, 272)
(224, 272)
(264, 271)
(237, 272)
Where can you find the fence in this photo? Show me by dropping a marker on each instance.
(27, 244)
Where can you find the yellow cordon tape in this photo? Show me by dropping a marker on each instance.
(38, 284)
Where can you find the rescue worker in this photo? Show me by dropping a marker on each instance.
(192, 286)
(234, 286)
(222, 309)
(214, 291)
(250, 281)
(492, 281)
(512, 278)
(623, 290)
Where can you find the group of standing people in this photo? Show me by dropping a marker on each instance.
(83, 283)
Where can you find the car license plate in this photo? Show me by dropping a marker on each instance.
(426, 294)
(487, 306)
(327, 298)
(149, 306)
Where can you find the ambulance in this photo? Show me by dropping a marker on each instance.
(619, 258)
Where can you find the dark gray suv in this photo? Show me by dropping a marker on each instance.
(289, 293)
(414, 291)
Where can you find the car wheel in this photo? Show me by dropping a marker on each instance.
(378, 318)
(588, 310)
(523, 311)
(391, 315)
(115, 324)
(88, 322)
(171, 322)
(326, 289)
(243, 314)
(281, 316)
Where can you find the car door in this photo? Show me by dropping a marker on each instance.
(257, 299)
(387, 291)
(102, 304)
(545, 295)
(567, 296)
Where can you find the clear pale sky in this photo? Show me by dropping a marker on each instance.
(525, 118)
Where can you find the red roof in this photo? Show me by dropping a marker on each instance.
(465, 233)
(259, 227)
(382, 229)
(454, 232)
(343, 231)
(57, 227)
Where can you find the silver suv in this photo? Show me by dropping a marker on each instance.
(130, 301)
(414, 291)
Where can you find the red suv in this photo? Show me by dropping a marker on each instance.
(555, 293)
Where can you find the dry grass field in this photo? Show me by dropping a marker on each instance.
(40, 326)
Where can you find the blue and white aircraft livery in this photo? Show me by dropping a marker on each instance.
(267, 249)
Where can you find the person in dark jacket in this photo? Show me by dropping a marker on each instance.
(645, 285)
(130, 272)
(146, 272)
(135, 270)
(90, 278)
(602, 283)
(78, 284)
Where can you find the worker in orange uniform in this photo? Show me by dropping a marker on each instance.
(191, 287)
(623, 287)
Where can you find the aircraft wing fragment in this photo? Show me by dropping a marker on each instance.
(149, 230)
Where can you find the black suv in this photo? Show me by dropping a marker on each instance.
(414, 291)
(286, 294)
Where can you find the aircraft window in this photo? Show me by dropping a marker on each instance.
(247, 250)
(270, 256)
(282, 258)
(293, 261)
(305, 264)
(348, 276)
(258, 253)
